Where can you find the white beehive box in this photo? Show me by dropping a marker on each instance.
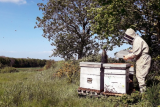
(91, 76)
(116, 77)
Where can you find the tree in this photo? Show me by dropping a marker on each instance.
(66, 24)
(112, 18)
(151, 24)
(115, 16)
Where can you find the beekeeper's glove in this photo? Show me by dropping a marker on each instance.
(129, 56)
(125, 57)
(130, 51)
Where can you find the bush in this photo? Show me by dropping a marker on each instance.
(8, 70)
(49, 64)
(70, 69)
(153, 94)
(1, 65)
(154, 69)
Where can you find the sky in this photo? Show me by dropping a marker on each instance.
(19, 39)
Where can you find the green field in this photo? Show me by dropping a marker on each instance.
(41, 89)
(29, 69)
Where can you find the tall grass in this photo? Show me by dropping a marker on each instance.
(42, 89)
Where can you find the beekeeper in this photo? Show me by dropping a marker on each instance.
(139, 51)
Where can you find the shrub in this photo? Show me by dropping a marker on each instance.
(153, 94)
(1, 65)
(69, 69)
(8, 70)
(131, 99)
(154, 69)
(49, 64)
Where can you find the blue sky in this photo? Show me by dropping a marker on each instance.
(18, 38)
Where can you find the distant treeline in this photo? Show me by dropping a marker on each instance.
(22, 62)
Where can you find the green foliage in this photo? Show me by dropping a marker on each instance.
(153, 94)
(113, 17)
(131, 99)
(5, 61)
(8, 70)
(91, 58)
(154, 70)
(111, 20)
(66, 23)
(22, 62)
(97, 58)
(1, 65)
(49, 64)
(70, 69)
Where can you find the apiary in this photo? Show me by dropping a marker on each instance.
(116, 77)
(91, 76)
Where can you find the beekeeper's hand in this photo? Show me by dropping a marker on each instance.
(130, 51)
(129, 56)
(125, 57)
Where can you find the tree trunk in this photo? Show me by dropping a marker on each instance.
(104, 58)
(80, 54)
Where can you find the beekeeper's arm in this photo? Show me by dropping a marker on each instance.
(131, 51)
(137, 49)
(129, 56)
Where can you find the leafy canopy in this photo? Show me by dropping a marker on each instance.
(66, 24)
(112, 18)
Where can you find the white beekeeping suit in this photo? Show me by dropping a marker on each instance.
(140, 51)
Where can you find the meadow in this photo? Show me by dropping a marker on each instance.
(55, 88)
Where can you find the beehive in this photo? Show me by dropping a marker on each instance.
(91, 76)
(116, 77)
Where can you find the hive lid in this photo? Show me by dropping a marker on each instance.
(90, 64)
(116, 65)
(121, 53)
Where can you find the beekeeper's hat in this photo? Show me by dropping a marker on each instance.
(129, 35)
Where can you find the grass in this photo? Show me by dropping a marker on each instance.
(14, 77)
(41, 89)
(29, 69)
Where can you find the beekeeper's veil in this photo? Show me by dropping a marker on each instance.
(129, 35)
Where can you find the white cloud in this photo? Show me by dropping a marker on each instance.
(15, 1)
